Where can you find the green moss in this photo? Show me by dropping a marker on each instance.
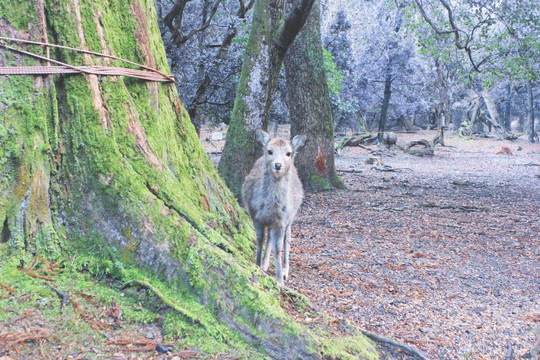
(138, 305)
(19, 16)
(348, 348)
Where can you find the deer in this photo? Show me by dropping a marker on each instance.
(272, 194)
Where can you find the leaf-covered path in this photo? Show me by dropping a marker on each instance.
(444, 255)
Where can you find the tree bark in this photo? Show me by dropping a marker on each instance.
(270, 36)
(309, 107)
(530, 111)
(508, 106)
(493, 113)
(113, 166)
(386, 102)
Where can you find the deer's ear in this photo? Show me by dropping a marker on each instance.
(262, 137)
(298, 141)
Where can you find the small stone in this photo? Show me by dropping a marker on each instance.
(216, 136)
(176, 358)
(162, 348)
(149, 335)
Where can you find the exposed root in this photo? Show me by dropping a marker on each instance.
(184, 312)
(383, 340)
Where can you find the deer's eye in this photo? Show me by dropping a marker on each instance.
(270, 152)
(289, 153)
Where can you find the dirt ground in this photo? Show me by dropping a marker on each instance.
(442, 254)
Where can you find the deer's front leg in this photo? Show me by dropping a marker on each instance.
(276, 235)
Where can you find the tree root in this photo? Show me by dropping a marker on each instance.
(383, 340)
(184, 312)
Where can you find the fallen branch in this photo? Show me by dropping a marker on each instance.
(389, 168)
(130, 345)
(365, 139)
(416, 354)
(351, 171)
(184, 312)
(456, 207)
(427, 150)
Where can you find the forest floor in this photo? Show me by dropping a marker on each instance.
(442, 254)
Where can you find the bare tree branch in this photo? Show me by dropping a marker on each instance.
(293, 24)
(454, 30)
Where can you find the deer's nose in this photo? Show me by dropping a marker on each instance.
(277, 166)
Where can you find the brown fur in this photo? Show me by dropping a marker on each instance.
(504, 150)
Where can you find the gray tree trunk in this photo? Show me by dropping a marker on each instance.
(530, 111)
(270, 36)
(309, 107)
(508, 106)
(386, 102)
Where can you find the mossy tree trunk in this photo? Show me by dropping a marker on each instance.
(309, 107)
(270, 36)
(113, 166)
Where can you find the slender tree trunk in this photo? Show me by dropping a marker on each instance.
(270, 36)
(386, 102)
(309, 107)
(530, 111)
(494, 117)
(114, 164)
(508, 106)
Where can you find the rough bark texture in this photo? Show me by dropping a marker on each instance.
(386, 102)
(114, 165)
(259, 72)
(493, 113)
(270, 36)
(309, 107)
(530, 111)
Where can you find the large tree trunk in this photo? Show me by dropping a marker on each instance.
(114, 163)
(309, 107)
(530, 111)
(270, 36)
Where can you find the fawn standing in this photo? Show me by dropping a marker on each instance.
(272, 195)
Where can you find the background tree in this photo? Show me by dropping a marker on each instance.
(309, 107)
(112, 167)
(498, 41)
(205, 43)
(271, 34)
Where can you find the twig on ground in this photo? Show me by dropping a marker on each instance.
(509, 351)
(63, 298)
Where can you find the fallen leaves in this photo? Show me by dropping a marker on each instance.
(454, 272)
